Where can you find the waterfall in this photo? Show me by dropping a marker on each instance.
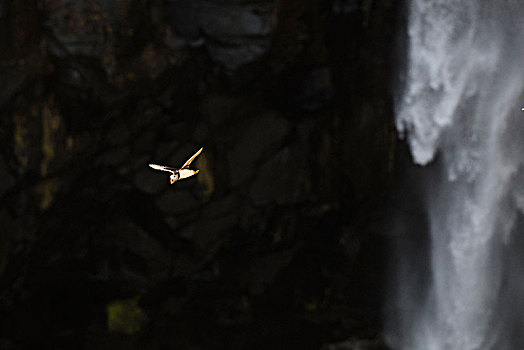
(459, 108)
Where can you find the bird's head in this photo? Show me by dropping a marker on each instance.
(173, 178)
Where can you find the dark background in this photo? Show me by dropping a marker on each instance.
(276, 244)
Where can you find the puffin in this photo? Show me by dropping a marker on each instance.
(179, 173)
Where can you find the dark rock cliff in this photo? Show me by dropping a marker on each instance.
(273, 245)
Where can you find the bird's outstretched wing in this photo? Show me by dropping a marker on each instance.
(186, 164)
(163, 168)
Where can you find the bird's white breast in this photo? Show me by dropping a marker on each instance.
(186, 173)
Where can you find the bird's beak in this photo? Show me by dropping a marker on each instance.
(172, 181)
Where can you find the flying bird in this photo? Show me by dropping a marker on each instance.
(179, 173)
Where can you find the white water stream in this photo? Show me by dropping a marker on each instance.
(460, 110)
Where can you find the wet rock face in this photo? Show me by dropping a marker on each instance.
(234, 33)
(272, 245)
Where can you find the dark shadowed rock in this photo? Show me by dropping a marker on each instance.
(6, 179)
(142, 142)
(217, 109)
(210, 234)
(344, 7)
(151, 181)
(177, 201)
(221, 206)
(5, 238)
(264, 270)
(136, 245)
(12, 80)
(280, 180)
(316, 90)
(166, 148)
(259, 137)
(116, 156)
(117, 135)
(73, 32)
(235, 33)
(265, 247)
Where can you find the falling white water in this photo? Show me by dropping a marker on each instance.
(460, 110)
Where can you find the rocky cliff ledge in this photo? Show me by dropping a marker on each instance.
(273, 245)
